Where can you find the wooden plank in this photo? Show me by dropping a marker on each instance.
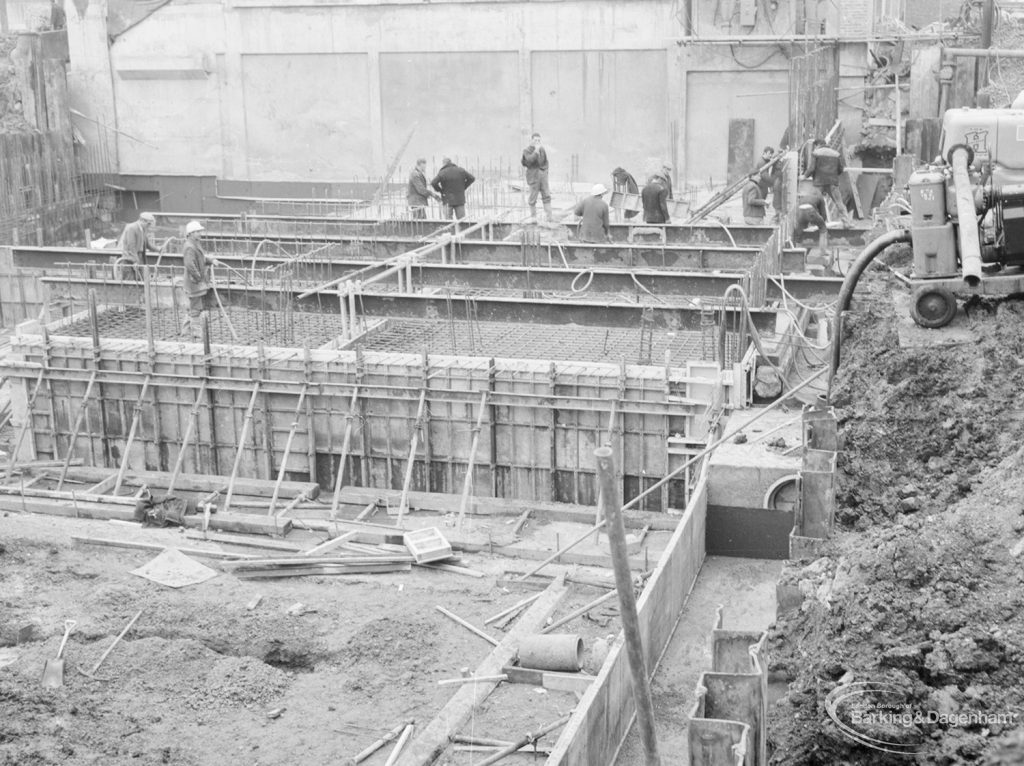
(323, 570)
(196, 482)
(69, 508)
(248, 542)
(330, 544)
(484, 506)
(248, 523)
(563, 682)
(113, 543)
(429, 744)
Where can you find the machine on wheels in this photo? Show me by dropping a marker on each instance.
(967, 215)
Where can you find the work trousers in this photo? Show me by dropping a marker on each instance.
(539, 187)
(419, 212)
(833, 192)
(459, 211)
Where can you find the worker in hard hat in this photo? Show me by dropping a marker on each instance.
(133, 244)
(593, 213)
(197, 283)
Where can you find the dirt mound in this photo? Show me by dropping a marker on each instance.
(920, 609)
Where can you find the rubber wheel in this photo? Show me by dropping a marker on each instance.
(933, 307)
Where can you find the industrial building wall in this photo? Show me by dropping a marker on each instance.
(254, 90)
(291, 90)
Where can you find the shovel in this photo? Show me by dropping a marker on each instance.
(53, 671)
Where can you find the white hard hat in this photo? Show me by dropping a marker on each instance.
(193, 226)
(598, 190)
(147, 217)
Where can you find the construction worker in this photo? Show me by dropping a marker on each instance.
(132, 244)
(58, 18)
(197, 282)
(452, 181)
(810, 212)
(418, 193)
(754, 202)
(666, 175)
(535, 160)
(824, 168)
(655, 200)
(593, 213)
(623, 182)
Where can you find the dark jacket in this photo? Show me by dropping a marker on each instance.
(753, 200)
(197, 270)
(655, 199)
(417, 194)
(825, 166)
(535, 161)
(134, 242)
(452, 181)
(624, 182)
(593, 213)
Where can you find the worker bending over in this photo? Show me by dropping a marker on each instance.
(754, 202)
(132, 244)
(824, 168)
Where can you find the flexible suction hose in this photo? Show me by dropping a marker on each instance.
(867, 255)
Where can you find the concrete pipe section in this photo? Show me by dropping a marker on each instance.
(558, 651)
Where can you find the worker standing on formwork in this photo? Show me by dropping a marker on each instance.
(452, 181)
(655, 200)
(132, 245)
(535, 160)
(418, 193)
(197, 282)
(593, 213)
(824, 168)
(665, 174)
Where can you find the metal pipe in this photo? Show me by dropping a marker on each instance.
(627, 606)
(1006, 53)
(967, 217)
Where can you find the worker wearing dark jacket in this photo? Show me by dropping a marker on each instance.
(655, 199)
(754, 202)
(624, 182)
(452, 181)
(418, 194)
(133, 244)
(593, 213)
(824, 168)
(810, 211)
(197, 281)
(535, 160)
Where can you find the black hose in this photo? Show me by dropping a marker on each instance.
(867, 255)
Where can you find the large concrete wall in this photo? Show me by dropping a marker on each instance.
(299, 90)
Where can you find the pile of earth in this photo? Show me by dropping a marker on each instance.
(916, 604)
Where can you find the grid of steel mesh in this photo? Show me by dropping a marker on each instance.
(641, 345)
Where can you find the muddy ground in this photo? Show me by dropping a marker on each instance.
(198, 680)
(922, 590)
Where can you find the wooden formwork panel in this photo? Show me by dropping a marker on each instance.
(538, 431)
(602, 719)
